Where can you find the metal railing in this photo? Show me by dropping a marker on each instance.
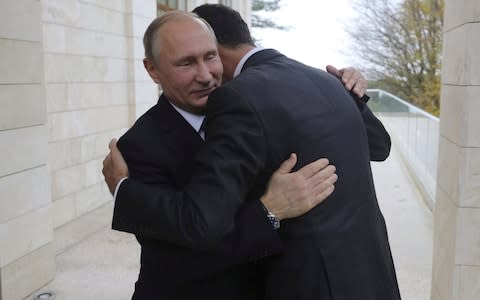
(415, 133)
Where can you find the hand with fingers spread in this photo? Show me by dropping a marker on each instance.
(352, 79)
(291, 195)
(114, 166)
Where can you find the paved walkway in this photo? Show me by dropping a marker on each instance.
(105, 265)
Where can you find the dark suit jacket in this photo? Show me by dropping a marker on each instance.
(159, 149)
(276, 106)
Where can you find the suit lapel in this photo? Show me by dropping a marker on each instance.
(175, 130)
(182, 140)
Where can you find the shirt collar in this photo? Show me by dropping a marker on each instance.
(194, 120)
(239, 67)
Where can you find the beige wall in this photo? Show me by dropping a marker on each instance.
(26, 231)
(95, 88)
(456, 257)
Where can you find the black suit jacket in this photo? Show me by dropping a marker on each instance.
(159, 149)
(276, 106)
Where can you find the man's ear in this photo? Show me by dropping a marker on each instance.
(152, 70)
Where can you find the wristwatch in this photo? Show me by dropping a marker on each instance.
(273, 219)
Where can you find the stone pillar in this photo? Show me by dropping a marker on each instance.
(456, 257)
(26, 230)
(143, 91)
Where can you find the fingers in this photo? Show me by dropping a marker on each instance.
(324, 189)
(322, 175)
(360, 89)
(354, 81)
(359, 83)
(287, 165)
(115, 154)
(349, 78)
(323, 195)
(314, 167)
(114, 166)
(106, 159)
(113, 145)
(325, 183)
(334, 71)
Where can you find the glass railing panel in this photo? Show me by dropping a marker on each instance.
(421, 148)
(414, 133)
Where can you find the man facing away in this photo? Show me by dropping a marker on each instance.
(340, 249)
(274, 107)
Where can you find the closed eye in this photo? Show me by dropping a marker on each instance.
(185, 61)
(211, 55)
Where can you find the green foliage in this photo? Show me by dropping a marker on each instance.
(266, 5)
(400, 47)
(261, 21)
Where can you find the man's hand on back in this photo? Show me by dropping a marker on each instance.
(114, 167)
(352, 79)
(291, 195)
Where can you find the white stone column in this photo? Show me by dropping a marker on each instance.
(456, 257)
(143, 91)
(26, 230)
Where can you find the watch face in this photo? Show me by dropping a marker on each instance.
(273, 220)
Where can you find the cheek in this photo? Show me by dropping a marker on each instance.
(179, 81)
(218, 71)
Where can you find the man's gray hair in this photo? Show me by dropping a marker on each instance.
(150, 36)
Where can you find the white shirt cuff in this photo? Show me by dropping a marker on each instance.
(118, 186)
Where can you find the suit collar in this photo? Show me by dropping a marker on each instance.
(171, 123)
(194, 120)
(242, 61)
(260, 57)
(167, 117)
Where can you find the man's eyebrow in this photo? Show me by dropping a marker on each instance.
(185, 58)
(212, 52)
(193, 57)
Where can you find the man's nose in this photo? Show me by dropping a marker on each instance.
(204, 74)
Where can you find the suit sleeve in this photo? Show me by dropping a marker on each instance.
(225, 170)
(379, 142)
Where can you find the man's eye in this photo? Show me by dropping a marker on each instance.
(211, 56)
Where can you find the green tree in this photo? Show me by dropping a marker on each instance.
(262, 6)
(399, 46)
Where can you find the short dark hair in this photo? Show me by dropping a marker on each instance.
(229, 27)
